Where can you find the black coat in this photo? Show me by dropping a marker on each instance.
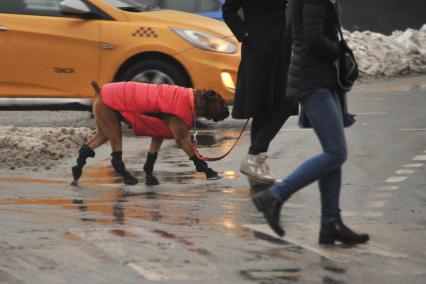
(314, 35)
(263, 69)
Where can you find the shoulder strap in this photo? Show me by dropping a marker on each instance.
(339, 24)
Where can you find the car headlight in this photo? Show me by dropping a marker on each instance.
(206, 41)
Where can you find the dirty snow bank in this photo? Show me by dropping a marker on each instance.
(34, 147)
(403, 52)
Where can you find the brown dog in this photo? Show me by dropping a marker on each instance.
(159, 111)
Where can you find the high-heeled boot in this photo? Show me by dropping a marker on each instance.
(255, 167)
(84, 153)
(338, 231)
(148, 168)
(270, 206)
(120, 168)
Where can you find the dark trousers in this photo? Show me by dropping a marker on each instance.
(264, 129)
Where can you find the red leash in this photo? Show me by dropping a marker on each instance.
(201, 157)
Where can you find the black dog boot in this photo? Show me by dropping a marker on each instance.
(118, 165)
(148, 168)
(270, 206)
(201, 166)
(337, 231)
(84, 153)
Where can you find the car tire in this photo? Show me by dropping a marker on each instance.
(156, 72)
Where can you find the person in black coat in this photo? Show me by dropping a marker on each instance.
(260, 90)
(312, 80)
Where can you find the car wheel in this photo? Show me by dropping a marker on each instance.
(155, 72)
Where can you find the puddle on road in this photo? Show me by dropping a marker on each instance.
(271, 276)
(63, 202)
(123, 233)
(231, 174)
(104, 205)
(71, 237)
(24, 180)
(186, 243)
(118, 206)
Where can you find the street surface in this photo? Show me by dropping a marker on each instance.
(189, 230)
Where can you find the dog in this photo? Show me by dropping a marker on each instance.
(157, 111)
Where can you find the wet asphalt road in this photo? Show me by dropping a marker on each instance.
(189, 230)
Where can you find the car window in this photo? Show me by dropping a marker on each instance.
(209, 5)
(185, 5)
(132, 5)
(191, 6)
(31, 7)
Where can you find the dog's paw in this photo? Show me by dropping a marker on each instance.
(151, 180)
(130, 180)
(212, 174)
(76, 173)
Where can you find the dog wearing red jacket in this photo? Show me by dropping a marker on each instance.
(157, 111)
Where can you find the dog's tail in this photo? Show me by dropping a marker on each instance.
(96, 88)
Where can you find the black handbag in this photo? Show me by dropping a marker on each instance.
(347, 67)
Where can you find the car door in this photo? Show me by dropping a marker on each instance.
(45, 53)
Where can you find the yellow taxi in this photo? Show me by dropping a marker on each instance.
(52, 49)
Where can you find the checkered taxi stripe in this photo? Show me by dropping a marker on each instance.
(145, 32)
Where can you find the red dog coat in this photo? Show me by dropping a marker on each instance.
(135, 100)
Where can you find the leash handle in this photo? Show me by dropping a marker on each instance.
(210, 159)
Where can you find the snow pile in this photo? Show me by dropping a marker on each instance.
(29, 147)
(397, 54)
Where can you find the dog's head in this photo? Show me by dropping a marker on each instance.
(214, 106)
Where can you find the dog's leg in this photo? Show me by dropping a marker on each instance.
(117, 155)
(148, 168)
(201, 166)
(181, 134)
(120, 168)
(84, 153)
(98, 140)
(151, 157)
(87, 150)
(108, 122)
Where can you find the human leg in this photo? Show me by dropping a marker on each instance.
(329, 186)
(326, 120)
(263, 130)
(253, 165)
(324, 115)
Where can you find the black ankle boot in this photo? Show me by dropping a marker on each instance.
(270, 206)
(337, 231)
(148, 168)
(84, 153)
(120, 168)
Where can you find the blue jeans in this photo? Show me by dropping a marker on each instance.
(325, 115)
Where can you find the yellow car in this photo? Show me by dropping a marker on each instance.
(52, 49)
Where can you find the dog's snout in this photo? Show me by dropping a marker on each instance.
(224, 113)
